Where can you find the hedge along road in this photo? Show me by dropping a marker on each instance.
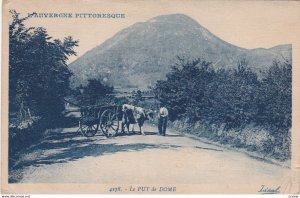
(67, 157)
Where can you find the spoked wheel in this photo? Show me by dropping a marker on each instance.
(109, 123)
(88, 129)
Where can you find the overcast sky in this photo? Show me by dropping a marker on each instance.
(247, 24)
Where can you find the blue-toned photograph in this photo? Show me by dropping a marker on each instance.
(153, 97)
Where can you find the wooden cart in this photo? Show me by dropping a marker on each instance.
(100, 118)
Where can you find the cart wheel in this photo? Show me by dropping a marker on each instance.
(88, 130)
(109, 123)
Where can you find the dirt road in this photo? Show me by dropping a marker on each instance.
(67, 157)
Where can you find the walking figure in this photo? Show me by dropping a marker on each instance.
(162, 120)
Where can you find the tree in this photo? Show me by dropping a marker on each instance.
(39, 75)
(195, 91)
(95, 91)
(183, 90)
(275, 96)
(137, 97)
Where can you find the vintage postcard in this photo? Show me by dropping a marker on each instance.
(150, 97)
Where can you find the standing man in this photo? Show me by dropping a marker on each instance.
(163, 119)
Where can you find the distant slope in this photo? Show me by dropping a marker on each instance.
(143, 53)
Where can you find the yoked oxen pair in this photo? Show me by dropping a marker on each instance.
(133, 115)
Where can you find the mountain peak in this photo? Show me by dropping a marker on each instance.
(141, 54)
(175, 18)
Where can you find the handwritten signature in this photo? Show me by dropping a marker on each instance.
(267, 190)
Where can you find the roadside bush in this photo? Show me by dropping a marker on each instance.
(235, 99)
(20, 138)
(38, 81)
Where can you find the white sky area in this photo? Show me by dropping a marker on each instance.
(247, 24)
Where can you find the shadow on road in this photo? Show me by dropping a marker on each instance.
(62, 147)
(206, 148)
(137, 133)
(174, 135)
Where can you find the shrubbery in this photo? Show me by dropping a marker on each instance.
(95, 92)
(194, 91)
(38, 71)
(38, 81)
